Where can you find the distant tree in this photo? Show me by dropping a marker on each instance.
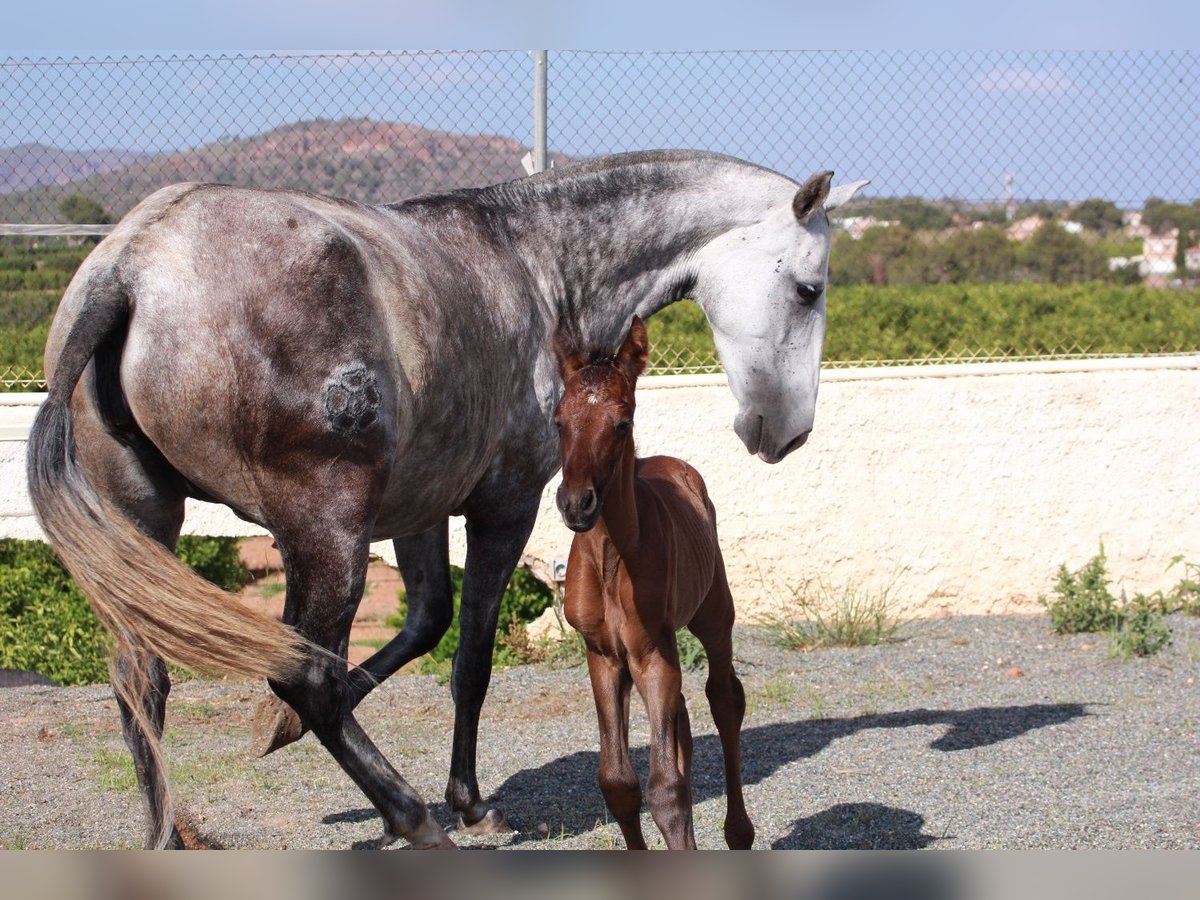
(873, 258)
(1055, 255)
(80, 210)
(1098, 215)
(1037, 208)
(912, 212)
(980, 255)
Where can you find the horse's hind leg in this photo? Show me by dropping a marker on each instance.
(325, 567)
(139, 481)
(143, 677)
(424, 562)
(713, 626)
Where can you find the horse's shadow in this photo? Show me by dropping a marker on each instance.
(564, 794)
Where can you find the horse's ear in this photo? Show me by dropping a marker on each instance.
(636, 349)
(569, 360)
(811, 195)
(841, 194)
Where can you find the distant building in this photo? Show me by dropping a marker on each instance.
(1023, 229)
(856, 226)
(1158, 256)
(1121, 262)
(1072, 227)
(1191, 258)
(1132, 226)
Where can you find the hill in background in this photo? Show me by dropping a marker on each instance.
(360, 159)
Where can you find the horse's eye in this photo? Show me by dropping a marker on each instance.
(558, 423)
(809, 293)
(623, 426)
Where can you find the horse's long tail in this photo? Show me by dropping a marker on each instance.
(137, 587)
(141, 593)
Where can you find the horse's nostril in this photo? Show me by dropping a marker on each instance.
(587, 501)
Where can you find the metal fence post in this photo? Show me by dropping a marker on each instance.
(539, 111)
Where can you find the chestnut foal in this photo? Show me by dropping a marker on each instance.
(644, 562)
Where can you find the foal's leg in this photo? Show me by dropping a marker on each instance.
(326, 569)
(618, 781)
(494, 546)
(713, 626)
(424, 563)
(668, 790)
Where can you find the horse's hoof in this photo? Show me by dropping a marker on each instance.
(493, 822)
(429, 836)
(275, 725)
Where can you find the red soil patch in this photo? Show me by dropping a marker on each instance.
(265, 592)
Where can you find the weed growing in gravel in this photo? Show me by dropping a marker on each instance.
(819, 615)
(1141, 633)
(1082, 600)
(1185, 596)
(773, 694)
(1083, 603)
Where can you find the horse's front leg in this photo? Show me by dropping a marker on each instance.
(668, 789)
(494, 546)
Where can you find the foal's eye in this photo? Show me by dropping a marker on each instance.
(808, 293)
(623, 426)
(558, 423)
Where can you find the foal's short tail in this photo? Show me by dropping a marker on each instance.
(142, 594)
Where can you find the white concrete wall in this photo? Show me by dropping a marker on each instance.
(963, 487)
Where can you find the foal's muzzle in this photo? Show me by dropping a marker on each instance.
(580, 507)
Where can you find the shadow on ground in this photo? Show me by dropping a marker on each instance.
(564, 793)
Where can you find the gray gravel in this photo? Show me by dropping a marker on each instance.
(970, 732)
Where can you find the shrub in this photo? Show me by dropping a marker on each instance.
(214, 558)
(1082, 600)
(49, 626)
(524, 600)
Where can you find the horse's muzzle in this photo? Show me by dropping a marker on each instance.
(580, 508)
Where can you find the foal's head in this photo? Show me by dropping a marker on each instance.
(595, 420)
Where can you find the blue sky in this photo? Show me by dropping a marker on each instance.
(1067, 125)
(73, 27)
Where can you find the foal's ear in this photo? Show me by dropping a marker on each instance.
(811, 195)
(569, 360)
(636, 349)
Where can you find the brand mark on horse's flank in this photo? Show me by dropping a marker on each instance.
(351, 399)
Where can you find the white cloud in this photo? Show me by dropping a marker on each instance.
(1053, 82)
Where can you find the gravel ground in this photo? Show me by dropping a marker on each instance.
(970, 732)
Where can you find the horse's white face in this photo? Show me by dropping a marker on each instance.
(762, 287)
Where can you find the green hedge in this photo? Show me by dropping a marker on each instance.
(915, 321)
(865, 323)
(48, 626)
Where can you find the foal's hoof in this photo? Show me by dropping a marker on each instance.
(493, 822)
(275, 725)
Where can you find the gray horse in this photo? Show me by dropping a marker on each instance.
(340, 374)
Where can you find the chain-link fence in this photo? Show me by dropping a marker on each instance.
(982, 142)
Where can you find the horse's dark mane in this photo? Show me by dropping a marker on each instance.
(597, 177)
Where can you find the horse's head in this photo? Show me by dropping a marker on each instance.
(595, 422)
(762, 287)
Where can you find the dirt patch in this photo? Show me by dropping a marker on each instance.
(266, 590)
